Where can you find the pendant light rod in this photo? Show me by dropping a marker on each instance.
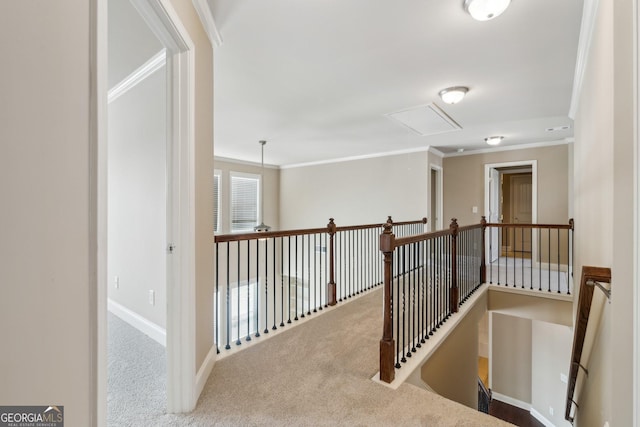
(262, 227)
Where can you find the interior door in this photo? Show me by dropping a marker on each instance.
(521, 209)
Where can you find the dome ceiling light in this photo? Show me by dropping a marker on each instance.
(494, 140)
(485, 10)
(453, 95)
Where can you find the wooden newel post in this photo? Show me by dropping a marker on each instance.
(483, 264)
(387, 344)
(454, 298)
(331, 286)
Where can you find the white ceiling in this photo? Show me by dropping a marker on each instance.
(316, 77)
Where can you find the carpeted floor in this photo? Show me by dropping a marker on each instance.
(316, 374)
(137, 375)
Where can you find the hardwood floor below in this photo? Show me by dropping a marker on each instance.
(513, 414)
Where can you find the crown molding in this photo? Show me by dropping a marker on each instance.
(243, 162)
(589, 14)
(353, 158)
(208, 23)
(509, 148)
(156, 62)
(437, 152)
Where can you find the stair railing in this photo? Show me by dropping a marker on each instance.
(592, 277)
(268, 280)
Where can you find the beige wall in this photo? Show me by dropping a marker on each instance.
(603, 175)
(551, 349)
(355, 192)
(510, 372)
(624, 195)
(531, 306)
(271, 182)
(483, 336)
(464, 183)
(452, 370)
(48, 169)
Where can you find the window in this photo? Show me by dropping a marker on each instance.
(216, 201)
(245, 190)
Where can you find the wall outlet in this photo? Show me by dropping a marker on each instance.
(563, 378)
(152, 297)
(116, 282)
(551, 410)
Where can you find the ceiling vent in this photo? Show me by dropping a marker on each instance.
(558, 128)
(425, 120)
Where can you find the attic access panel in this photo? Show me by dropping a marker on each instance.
(425, 120)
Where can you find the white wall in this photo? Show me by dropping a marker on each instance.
(48, 173)
(137, 198)
(355, 192)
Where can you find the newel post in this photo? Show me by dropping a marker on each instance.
(331, 286)
(483, 264)
(387, 245)
(454, 298)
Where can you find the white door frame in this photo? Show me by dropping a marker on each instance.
(181, 373)
(439, 187)
(534, 196)
(636, 214)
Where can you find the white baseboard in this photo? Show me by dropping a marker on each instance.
(147, 327)
(523, 405)
(205, 370)
(538, 416)
(511, 401)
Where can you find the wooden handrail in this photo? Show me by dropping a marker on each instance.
(223, 238)
(388, 245)
(589, 276)
(236, 237)
(523, 225)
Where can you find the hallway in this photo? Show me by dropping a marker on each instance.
(317, 373)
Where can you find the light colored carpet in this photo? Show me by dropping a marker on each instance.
(317, 374)
(137, 375)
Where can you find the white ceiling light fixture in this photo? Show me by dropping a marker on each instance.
(453, 95)
(485, 10)
(262, 228)
(494, 140)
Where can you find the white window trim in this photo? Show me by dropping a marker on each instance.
(233, 174)
(216, 203)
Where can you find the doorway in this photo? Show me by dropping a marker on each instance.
(510, 197)
(137, 152)
(435, 198)
(165, 24)
(516, 208)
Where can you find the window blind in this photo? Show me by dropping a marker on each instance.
(244, 203)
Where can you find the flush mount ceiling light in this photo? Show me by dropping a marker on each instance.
(494, 140)
(453, 95)
(484, 10)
